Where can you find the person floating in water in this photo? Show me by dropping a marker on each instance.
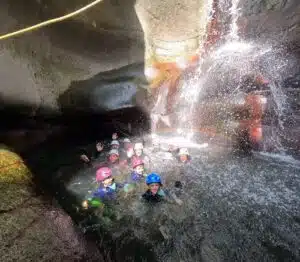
(136, 177)
(184, 156)
(107, 187)
(155, 192)
(114, 144)
(114, 136)
(126, 152)
(126, 143)
(139, 153)
(138, 173)
(86, 158)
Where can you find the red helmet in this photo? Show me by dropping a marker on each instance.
(137, 162)
(103, 173)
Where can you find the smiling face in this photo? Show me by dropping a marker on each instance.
(107, 182)
(139, 169)
(130, 152)
(183, 158)
(138, 151)
(154, 187)
(127, 145)
(115, 147)
(113, 158)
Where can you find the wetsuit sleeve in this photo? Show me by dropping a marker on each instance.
(97, 154)
(145, 197)
(98, 193)
(120, 185)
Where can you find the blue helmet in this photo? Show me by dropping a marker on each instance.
(153, 178)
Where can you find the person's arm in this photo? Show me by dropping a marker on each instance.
(84, 158)
(176, 199)
(83, 155)
(98, 150)
(171, 197)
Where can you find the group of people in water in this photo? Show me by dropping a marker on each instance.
(125, 171)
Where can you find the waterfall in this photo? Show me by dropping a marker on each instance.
(221, 75)
(234, 12)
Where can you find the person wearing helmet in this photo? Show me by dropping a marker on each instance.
(114, 144)
(184, 156)
(113, 157)
(138, 173)
(125, 150)
(87, 158)
(126, 143)
(129, 153)
(107, 188)
(112, 160)
(114, 136)
(154, 193)
(136, 177)
(138, 149)
(139, 153)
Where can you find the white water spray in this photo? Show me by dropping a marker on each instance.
(234, 11)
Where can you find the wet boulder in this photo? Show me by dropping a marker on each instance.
(32, 228)
(273, 20)
(108, 91)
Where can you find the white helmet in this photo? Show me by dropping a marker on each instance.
(126, 140)
(113, 152)
(183, 151)
(138, 146)
(115, 142)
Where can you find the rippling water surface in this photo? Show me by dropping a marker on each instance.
(236, 208)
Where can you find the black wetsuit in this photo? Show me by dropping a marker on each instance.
(149, 197)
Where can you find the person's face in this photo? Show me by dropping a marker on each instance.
(139, 169)
(114, 136)
(183, 158)
(126, 145)
(107, 182)
(138, 152)
(115, 147)
(130, 153)
(113, 158)
(154, 188)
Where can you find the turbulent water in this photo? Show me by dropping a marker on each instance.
(235, 209)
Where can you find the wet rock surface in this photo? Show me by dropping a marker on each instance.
(275, 21)
(108, 91)
(33, 227)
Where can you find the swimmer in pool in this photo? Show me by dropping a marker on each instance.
(155, 193)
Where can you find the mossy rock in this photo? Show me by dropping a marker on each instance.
(13, 169)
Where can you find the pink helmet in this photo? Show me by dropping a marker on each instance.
(137, 162)
(103, 173)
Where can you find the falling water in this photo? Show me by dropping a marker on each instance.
(235, 208)
(234, 12)
(223, 71)
(192, 84)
